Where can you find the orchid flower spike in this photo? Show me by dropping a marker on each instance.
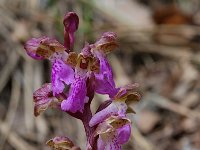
(75, 78)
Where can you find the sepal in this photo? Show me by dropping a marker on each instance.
(61, 143)
(43, 47)
(43, 99)
(107, 43)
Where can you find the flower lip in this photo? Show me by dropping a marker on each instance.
(76, 97)
(61, 74)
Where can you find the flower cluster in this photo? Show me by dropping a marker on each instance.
(75, 78)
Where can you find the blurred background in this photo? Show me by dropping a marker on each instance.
(159, 48)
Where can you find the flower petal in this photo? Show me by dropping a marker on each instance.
(44, 98)
(101, 144)
(124, 134)
(77, 96)
(104, 85)
(104, 65)
(61, 73)
(86, 51)
(44, 47)
(70, 22)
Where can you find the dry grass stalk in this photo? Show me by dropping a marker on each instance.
(12, 109)
(27, 95)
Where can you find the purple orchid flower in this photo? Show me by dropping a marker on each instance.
(49, 48)
(85, 65)
(104, 79)
(110, 136)
(62, 73)
(119, 105)
(112, 133)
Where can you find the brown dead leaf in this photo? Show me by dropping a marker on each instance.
(170, 15)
